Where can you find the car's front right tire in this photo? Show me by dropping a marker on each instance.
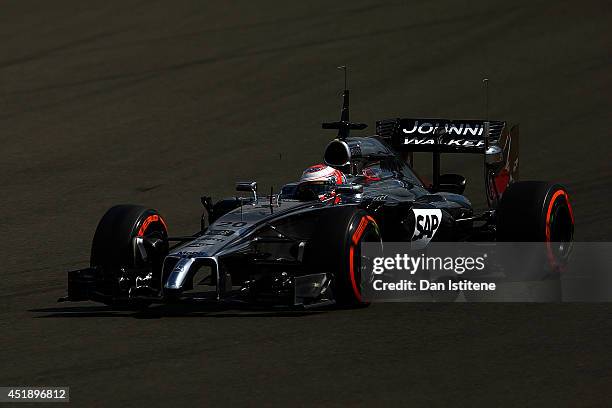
(337, 249)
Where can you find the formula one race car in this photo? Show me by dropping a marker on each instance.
(301, 247)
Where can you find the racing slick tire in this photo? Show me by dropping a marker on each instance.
(536, 211)
(337, 248)
(113, 248)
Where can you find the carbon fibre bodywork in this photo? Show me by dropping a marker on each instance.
(297, 251)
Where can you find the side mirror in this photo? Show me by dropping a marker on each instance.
(452, 183)
(349, 189)
(248, 186)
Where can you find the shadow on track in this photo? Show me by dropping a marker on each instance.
(173, 310)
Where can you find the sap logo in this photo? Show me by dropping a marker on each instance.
(426, 223)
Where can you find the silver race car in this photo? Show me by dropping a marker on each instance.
(301, 246)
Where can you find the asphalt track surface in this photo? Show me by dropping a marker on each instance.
(158, 102)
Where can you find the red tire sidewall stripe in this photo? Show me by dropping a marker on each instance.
(352, 273)
(147, 221)
(551, 258)
(363, 223)
(550, 207)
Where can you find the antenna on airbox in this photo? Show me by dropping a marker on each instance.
(345, 69)
(344, 126)
(344, 114)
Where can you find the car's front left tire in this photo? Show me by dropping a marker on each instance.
(114, 248)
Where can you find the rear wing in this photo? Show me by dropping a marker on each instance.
(493, 139)
(440, 135)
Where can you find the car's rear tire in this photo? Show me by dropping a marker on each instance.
(535, 211)
(337, 249)
(113, 245)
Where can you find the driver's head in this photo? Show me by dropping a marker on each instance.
(318, 181)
